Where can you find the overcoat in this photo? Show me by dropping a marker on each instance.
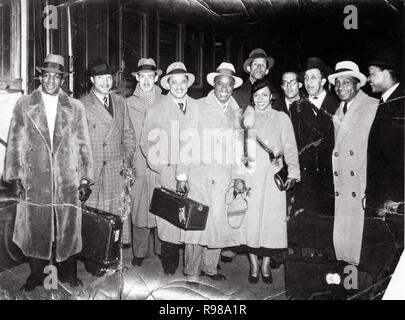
(349, 160)
(142, 189)
(50, 175)
(213, 167)
(242, 94)
(113, 143)
(160, 140)
(265, 224)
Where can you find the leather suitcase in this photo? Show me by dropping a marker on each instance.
(183, 212)
(101, 236)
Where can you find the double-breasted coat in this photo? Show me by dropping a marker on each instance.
(213, 167)
(349, 160)
(142, 189)
(160, 141)
(113, 143)
(265, 224)
(50, 175)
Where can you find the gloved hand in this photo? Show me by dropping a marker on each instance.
(84, 191)
(290, 183)
(17, 189)
(239, 186)
(182, 187)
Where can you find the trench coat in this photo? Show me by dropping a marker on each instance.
(211, 172)
(50, 175)
(160, 143)
(142, 189)
(349, 161)
(265, 224)
(113, 143)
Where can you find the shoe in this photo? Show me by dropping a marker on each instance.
(169, 271)
(215, 277)
(137, 262)
(226, 259)
(29, 286)
(253, 279)
(72, 281)
(126, 246)
(267, 279)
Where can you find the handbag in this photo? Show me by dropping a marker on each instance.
(282, 175)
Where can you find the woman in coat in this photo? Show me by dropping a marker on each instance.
(265, 227)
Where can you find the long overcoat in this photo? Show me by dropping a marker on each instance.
(265, 224)
(160, 140)
(213, 167)
(142, 189)
(349, 160)
(50, 175)
(113, 144)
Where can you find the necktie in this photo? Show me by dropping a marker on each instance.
(107, 106)
(345, 108)
(182, 107)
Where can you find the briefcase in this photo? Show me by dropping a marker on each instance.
(183, 212)
(101, 236)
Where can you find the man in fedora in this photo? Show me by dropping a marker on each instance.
(113, 140)
(315, 140)
(160, 139)
(146, 94)
(352, 124)
(208, 177)
(47, 139)
(257, 65)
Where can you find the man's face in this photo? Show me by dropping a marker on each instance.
(313, 82)
(223, 88)
(290, 85)
(376, 77)
(146, 80)
(346, 87)
(103, 83)
(178, 85)
(258, 69)
(51, 82)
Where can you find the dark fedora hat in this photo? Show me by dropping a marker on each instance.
(386, 59)
(258, 53)
(53, 63)
(318, 63)
(99, 67)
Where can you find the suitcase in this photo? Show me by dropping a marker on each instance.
(183, 212)
(101, 237)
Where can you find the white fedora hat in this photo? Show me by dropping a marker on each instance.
(347, 68)
(176, 68)
(225, 69)
(147, 65)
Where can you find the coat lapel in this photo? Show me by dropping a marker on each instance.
(37, 115)
(64, 117)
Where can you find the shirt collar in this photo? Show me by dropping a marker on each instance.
(318, 102)
(223, 105)
(387, 93)
(100, 96)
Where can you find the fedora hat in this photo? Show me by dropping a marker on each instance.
(225, 69)
(100, 67)
(176, 68)
(386, 59)
(53, 63)
(347, 68)
(317, 63)
(145, 65)
(258, 53)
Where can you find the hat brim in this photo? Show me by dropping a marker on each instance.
(270, 62)
(362, 78)
(211, 76)
(101, 73)
(62, 73)
(157, 71)
(164, 81)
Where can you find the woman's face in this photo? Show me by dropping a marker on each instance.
(261, 98)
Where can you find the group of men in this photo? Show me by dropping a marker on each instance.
(63, 151)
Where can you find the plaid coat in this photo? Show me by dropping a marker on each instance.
(113, 143)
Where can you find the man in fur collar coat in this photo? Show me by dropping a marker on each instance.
(48, 159)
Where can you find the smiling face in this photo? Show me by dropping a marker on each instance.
(258, 69)
(51, 83)
(346, 87)
(103, 83)
(376, 77)
(146, 80)
(223, 88)
(178, 85)
(314, 82)
(261, 98)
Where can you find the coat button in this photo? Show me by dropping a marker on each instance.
(104, 144)
(337, 194)
(351, 152)
(335, 173)
(104, 163)
(336, 154)
(353, 194)
(352, 173)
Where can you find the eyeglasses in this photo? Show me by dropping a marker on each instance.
(290, 83)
